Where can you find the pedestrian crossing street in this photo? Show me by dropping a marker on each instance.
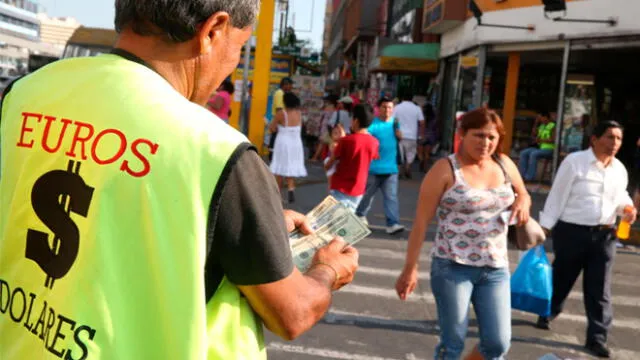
(368, 321)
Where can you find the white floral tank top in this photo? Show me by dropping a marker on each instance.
(471, 230)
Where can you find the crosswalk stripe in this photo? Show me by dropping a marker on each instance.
(549, 340)
(620, 300)
(422, 275)
(385, 293)
(429, 299)
(329, 353)
(335, 316)
(618, 323)
(383, 253)
(400, 255)
(553, 340)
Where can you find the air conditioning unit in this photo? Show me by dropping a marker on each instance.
(554, 5)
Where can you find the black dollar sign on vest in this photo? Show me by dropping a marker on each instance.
(54, 197)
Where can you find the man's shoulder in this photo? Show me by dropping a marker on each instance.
(402, 105)
(377, 122)
(366, 138)
(370, 139)
(618, 165)
(578, 158)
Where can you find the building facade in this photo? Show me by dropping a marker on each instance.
(578, 64)
(57, 31)
(19, 36)
(377, 47)
(336, 39)
(403, 59)
(326, 37)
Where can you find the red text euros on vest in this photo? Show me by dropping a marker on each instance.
(86, 143)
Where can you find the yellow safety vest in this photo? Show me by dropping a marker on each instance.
(545, 132)
(106, 178)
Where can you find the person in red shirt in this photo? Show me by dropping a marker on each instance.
(353, 155)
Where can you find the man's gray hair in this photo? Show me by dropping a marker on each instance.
(178, 20)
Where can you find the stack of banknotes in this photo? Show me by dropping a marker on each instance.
(328, 220)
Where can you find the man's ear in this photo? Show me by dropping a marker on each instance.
(212, 31)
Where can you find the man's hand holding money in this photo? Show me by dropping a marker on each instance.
(340, 259)
(335, 263)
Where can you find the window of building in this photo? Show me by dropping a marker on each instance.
(27, 5)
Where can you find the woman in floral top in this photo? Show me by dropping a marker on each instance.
(471, 194)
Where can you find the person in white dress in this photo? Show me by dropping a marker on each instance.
(288, 151)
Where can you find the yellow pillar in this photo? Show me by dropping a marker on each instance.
(238, 75)
(262, 73)
(234, 119)
(510, 99)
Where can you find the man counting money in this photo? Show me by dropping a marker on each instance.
(134, 223)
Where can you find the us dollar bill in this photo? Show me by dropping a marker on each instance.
(329, 219)
(317, 215)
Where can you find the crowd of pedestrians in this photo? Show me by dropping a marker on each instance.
(204, 264)
(475, 194)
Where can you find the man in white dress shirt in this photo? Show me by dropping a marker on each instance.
(588, 194)
(411, 120)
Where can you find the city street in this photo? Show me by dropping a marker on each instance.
(368, 321)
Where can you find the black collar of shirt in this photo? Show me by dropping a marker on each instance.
(131, 57)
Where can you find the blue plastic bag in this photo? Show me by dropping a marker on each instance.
(531, 284)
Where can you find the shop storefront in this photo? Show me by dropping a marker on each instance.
(404, 60)
(580, 73)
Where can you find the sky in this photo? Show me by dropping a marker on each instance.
(307, 16)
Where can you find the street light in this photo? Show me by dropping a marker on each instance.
(477, 13)
(554, 6)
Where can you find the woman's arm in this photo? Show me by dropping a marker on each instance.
(433, 186)
(334, 151)
(277, 119)
(522, 206)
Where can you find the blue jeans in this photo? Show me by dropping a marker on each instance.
(455, 286)
(389, 186)
(528, 163)
(349, 201)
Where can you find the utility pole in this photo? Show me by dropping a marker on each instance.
(286, 15)
(283, 8)
(244, 110)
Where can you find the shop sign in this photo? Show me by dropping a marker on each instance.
(470, 62)
(402, 30)
(281, 66)
(388, 63)
(402, 7)
(441, 16)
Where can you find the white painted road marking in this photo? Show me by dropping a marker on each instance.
(429, 299)
(330, 353)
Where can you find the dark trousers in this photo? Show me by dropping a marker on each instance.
(580, 248)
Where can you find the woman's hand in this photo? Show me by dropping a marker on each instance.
(520, 210)
(407, 282)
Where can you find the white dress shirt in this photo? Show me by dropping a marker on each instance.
(408, 115)
(585, 192)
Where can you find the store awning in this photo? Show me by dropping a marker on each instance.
(408, 58)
